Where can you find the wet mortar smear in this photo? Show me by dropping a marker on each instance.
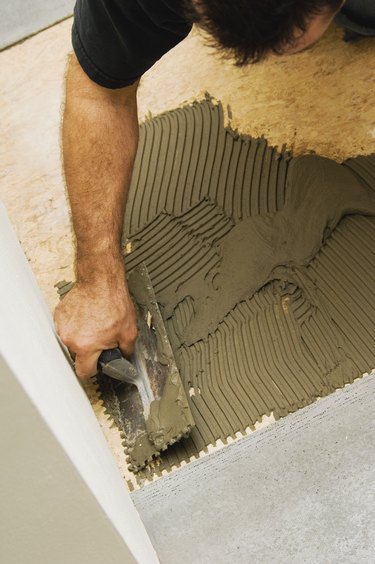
(263, 266)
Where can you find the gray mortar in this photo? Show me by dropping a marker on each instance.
(264, 269)
(271, 246)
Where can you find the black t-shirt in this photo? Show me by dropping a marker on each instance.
(116, 41)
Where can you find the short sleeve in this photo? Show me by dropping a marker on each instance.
(117, 41)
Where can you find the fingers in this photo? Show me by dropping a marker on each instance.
(88, 323)
(85, 358)
(127, 341)
(129, 332)
(86, 365)
(85, 361)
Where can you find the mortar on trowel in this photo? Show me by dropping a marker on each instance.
(144, 395)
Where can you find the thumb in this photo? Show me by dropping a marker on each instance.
(127, 339)
(127, 345)
(86, 365)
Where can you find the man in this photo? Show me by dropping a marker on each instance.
(115, 42)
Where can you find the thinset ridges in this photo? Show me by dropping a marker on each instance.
(187, 155)
(302, 332)
(364, 168)
(193, 234)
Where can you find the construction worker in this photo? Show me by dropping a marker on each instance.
(115, 43)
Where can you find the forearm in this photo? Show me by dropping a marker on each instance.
(100, 135)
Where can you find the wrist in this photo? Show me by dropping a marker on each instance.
(104, 267)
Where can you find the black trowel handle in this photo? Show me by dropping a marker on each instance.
(107, 356)
(113, 364)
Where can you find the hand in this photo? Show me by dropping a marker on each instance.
(96, 316)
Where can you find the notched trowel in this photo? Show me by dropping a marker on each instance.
(145, 396)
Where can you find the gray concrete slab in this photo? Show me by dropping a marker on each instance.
(301, 490)
(22, 18)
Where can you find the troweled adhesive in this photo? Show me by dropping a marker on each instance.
(263, 266)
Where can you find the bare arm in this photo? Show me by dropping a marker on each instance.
(100, 136)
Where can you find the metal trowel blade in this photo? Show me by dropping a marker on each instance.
(148, 429)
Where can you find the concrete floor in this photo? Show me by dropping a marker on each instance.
(321, 100)
(300, 491)
(20, 18)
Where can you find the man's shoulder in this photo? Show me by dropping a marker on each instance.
(116, 41)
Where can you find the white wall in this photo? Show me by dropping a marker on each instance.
(61, 496)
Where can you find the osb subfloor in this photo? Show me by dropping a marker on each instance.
(321, 100)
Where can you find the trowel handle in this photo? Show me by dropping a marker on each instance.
(108, 355)
(113, 364)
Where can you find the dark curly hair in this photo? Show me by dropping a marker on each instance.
(247, 30)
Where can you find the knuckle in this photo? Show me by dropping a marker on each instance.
(83, 347)
(133, 334)
(65, 338)
(84, 374)
(130, 335)
(85, 367)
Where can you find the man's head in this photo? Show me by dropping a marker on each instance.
(248, 30)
